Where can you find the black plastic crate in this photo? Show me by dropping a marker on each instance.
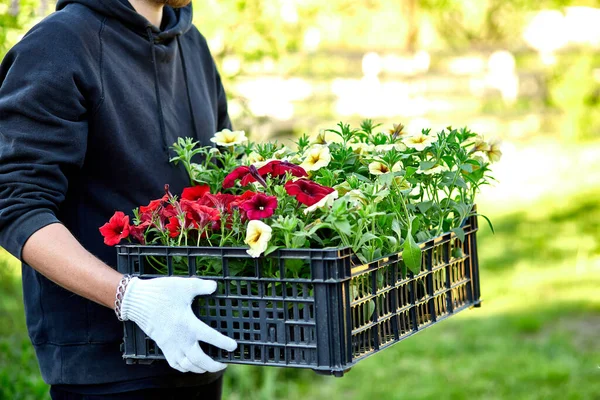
(342, 314)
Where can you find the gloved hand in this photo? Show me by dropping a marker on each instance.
(161, 308)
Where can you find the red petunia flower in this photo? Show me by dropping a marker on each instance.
(260, 206)
(220, 201)
(154, 204)
(307, 192)
(195, 192)
(241, 199)
(174, 227)
(116, 229)
(137, 231)
(167, 212)
(200, 215)
(238, 173)
(279, 168)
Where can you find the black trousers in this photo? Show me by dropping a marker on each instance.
(211, 391)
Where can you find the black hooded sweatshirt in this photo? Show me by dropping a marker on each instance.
(90, 100)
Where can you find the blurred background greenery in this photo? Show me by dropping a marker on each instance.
(527, 71)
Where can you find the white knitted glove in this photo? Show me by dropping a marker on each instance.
(161, 307)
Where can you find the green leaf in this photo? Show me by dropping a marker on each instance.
(411, 253)
(488, 221)
(467, 167)
(368, 309)
(298, 241)
(343, 226)
(460, 233)
(365, 238)
(424, 206)
(396, 228)
(271, 249)
(410, 171)
(425, 165)
(422, 236)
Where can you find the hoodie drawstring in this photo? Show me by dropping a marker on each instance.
(161, 118)
(187, 88)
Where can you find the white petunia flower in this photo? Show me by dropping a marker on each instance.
(258, 235)
(316, 157)
(419, 141)
(436, 169)
(493, 153)
(227, 138)
(254, 158)
(326, 201)
(379, 168)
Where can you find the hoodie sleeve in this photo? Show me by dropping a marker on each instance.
(43, 130)
(224, 122)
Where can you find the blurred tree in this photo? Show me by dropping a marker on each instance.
(16, 16)
(463, 23)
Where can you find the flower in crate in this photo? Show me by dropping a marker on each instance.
(479, 144)
(137, 231)
(419, 141)
(316, 157)
(307, 192)
(173, 227)
(194, 192)
(361, 148)
(356, 197)
(435, 169)
(199, 215)
(493, 153)
(260, 206)
(154, 205)
(326, 201)
(256, 159)
(278, 168)
(220, 201)
(240, 173)
(402, 183)
(228, 138)
(258, 235)
(116, 229)
(397, 131)
(380, 168)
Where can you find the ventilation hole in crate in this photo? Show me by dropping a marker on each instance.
(439, 280)
(459, 295)
(362, 343)
(440, 303)
(404, 323)
(151, 348)
(386, 332)
(420, 289)
(136, 266)
(403, 296)
(423, 315)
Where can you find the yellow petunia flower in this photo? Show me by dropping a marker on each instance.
(228, 138)
(258, 235)
(316, 157)
(419, 141)
(326, 201)
(379, 168)
(493, 153)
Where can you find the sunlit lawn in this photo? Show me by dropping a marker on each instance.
(535, 337)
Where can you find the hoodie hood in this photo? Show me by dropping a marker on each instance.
(175, 22)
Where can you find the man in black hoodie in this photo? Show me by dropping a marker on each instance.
(90, 101)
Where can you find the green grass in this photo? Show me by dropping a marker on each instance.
(535, 337)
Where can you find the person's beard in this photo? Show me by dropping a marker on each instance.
(172, 3)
